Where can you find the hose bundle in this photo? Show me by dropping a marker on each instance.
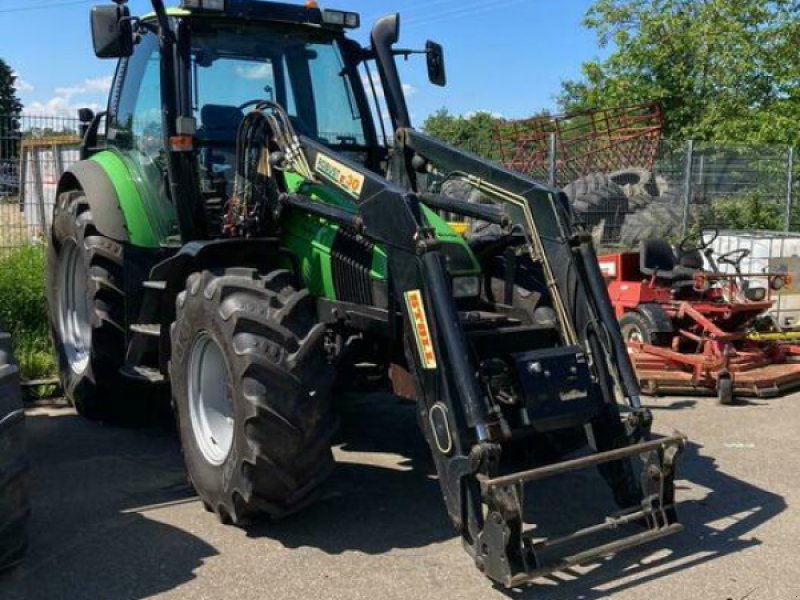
(265, 141)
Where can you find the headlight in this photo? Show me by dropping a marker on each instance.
(466, 287)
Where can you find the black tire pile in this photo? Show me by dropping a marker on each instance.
(626, 206)
(14, 501)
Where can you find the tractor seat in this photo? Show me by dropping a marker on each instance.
(656, 258)
(219, 124)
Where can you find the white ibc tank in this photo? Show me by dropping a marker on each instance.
(769, 252)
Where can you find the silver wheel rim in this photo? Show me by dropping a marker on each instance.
(210, 403)
(635, 335)
(75, 328)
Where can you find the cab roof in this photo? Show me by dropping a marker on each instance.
(258, 10)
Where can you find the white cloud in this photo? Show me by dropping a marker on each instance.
(67, 100)
(98, 85)
(58, 106)
(262, 71)
(23, 87)
(409, 90)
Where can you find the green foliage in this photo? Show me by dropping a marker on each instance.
(474, 132)
(23, 309)
(722, 70)
(750, 211)
(10, 107)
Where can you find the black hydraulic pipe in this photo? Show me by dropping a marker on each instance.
(484, 212)
(450, 334)
(599, 291)
(337, 215)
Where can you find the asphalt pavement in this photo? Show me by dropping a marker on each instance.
(113, 518)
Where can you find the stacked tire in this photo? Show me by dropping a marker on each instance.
(626, 206)
(600, 205)
(14, 502)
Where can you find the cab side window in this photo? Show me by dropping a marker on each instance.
(137, 118)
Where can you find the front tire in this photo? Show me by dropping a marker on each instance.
(86, 305)
(14, 467)
(251, 388)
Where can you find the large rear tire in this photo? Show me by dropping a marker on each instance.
(86, 304)
(14, 495)
(251, 388)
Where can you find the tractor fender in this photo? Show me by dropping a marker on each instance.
(89, 176)
(657, 317)
(118, 207)
(208, 254)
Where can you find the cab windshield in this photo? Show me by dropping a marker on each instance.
(236, 65)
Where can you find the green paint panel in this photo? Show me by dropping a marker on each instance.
(445, 234)
(140, 230)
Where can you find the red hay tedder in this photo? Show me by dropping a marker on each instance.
(598, 140)
(690, 328)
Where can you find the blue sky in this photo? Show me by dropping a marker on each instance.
(504, 56)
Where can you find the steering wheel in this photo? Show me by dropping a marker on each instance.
(250, 103)
(734, 257)
(697, 240)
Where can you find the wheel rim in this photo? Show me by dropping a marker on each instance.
(634, 334)
(210, 403)
(74, 324)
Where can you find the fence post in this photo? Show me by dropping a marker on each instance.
(687, 185)
(551, 167)
(789, 186)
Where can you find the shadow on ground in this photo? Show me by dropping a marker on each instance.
(374, 508)
(89, 538)
(87, 543)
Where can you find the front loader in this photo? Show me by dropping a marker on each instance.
(238, 233)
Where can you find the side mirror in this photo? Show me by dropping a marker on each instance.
(112, 32)
(436, 69)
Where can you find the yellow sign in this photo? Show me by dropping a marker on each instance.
(346, 178)
(416, 309)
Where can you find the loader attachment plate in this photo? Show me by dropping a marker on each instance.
(511, 566)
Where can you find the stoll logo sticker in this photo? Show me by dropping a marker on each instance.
(424, 342)
(346, 178)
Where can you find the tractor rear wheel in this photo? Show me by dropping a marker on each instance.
(14, 501)
(86, 304)
(251, 390)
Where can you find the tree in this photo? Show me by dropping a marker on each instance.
(722, 70)
(10, 107)
(473, 132)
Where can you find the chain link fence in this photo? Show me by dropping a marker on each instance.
(34, 152)
(669, 189)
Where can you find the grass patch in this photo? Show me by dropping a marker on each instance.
(23, 310)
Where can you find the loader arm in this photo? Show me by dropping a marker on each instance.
(464, 426)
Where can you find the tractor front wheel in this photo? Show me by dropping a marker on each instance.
(251, 389)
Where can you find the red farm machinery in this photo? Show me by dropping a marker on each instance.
(598, 140)
(691, 328)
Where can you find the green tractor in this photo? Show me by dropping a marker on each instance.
(241, 229)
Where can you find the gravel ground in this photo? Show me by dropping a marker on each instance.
(114, 518)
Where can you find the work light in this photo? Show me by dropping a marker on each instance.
(217, 5)
(341, 18)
